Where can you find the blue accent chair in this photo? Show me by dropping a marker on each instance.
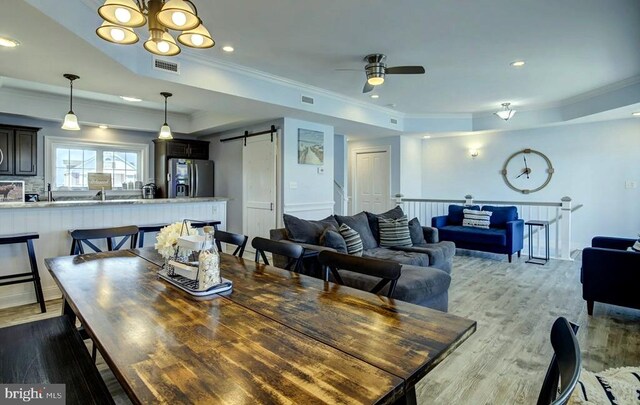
(505, 234)
(610, 273)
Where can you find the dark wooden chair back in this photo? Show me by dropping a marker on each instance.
(83, 237)
(388, 271)
(239, 241)
(564, 369)
(291, 251)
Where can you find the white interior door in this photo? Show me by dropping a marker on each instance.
(259, 187)
(372, 182)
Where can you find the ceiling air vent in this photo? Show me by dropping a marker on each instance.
(307, 100)
(394, 121)
(166, 66)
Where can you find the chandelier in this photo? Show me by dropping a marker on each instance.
(122, 16)
(506, 113)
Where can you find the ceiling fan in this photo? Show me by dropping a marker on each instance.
(376, 70)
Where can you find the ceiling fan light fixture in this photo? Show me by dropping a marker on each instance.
(165, 45)
(117, 34)
(198, 37)
(375, 80)
(122, 12)
(179, 15)
(506, 113)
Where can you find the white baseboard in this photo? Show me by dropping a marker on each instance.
(28, 297)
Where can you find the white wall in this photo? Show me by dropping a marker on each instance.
(307, 193)
(340, 173)
(410, 167)
(228, 169)
(592, 162)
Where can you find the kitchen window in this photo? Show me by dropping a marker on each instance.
(71, 161)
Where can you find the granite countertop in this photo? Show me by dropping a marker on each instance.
(91, 203)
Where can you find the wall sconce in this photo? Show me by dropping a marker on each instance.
(474, 153)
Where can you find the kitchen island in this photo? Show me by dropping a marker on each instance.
(54, 220)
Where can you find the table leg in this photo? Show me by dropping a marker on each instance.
(66, 310)
(409, 397)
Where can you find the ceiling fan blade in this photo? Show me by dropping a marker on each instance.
(367, 87)
(405, 70)
(348, 70)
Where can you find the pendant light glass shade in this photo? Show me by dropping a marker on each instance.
(178, 15)
(198, 37)
(117, 34)
(122, 12)
(165, 46)
(165, 130)
(375, 81)
(506, 113)
(70, 122)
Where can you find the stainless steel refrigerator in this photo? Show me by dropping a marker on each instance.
(189, 178)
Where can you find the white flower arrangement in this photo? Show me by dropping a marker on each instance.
(167, 239)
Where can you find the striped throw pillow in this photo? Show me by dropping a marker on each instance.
(394, 232)
(477, 219)
(352, 240)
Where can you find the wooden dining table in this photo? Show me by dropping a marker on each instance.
(277, 337)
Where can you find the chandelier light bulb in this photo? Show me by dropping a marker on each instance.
(163, 46)
(197, 39)
(122, 15)
(179, 18)
(117, 34)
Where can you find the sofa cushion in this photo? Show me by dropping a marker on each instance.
(456, 213)
(415, 285)
(414, 258)
(360, 224)
(416, 232)
(394, 213)
(334, 240)
(394, 232)
(305, 231)
(491, 236)
(501, 215)
(352, 240)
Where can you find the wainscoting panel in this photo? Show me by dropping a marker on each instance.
(312, 211)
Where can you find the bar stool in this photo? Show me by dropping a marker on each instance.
(34, 276)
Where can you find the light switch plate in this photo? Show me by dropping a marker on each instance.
(293, 185)
(630, 184)
(320, 169)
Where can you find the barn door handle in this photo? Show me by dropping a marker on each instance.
(1, 156)
(271, 206)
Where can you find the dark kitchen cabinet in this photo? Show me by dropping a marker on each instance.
(18, 151)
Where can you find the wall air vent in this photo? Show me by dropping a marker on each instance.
(394, 121)
(166, 66)
(307, 100)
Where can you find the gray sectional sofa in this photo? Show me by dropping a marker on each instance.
(426, 266)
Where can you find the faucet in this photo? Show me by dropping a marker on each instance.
(49, 193)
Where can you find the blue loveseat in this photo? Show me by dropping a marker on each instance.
(505, 234)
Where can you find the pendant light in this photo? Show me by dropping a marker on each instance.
(70, 120)
(165, 131)
(506, 112)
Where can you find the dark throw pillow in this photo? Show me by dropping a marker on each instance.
(352, 240)
(394, 232)
(394, 213)
(304, 231)
(360, 224)
(333, 239)
(416, 232)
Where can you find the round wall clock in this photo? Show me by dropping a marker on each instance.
(527, 171)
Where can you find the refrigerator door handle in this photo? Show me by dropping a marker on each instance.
(196, 181)
(191, 181)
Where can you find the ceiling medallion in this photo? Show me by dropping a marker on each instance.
(122, 16)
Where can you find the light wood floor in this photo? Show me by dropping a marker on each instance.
(504, 362)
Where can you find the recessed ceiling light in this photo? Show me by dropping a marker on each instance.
(131, 99)
(636, 114)
(375, 96)
(8, 42)
(103, 126)
(228, 48)
(426, 137)
(517, 63)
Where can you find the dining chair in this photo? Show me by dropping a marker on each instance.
(564, 369)
(291, 251)
(389, 272)
(239, 241)
(83, 237)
